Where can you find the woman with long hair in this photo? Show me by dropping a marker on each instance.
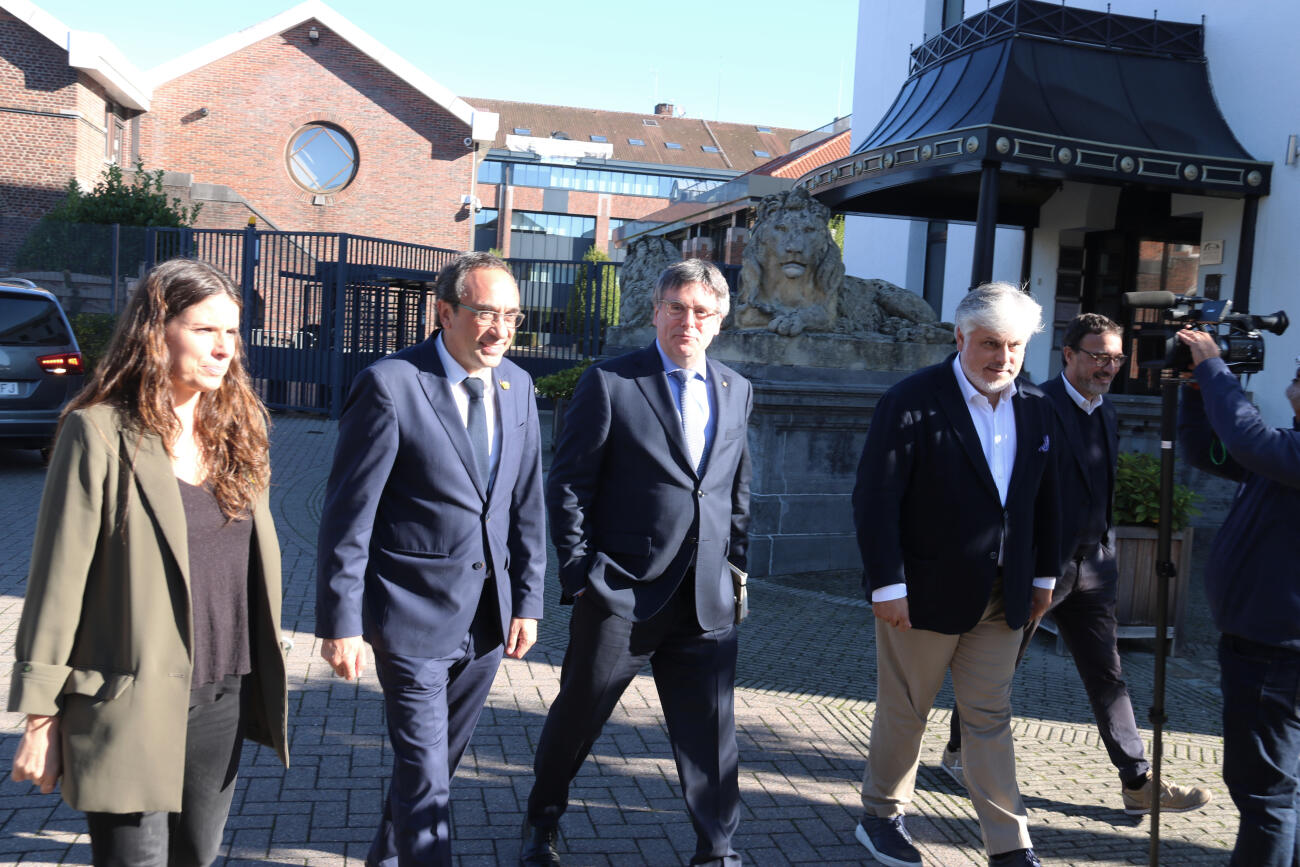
(149, 644)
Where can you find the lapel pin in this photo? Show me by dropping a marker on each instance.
(505, 386)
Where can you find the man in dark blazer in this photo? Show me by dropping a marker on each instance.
(648, 497)
(955, 508)
(1083, 601)
(432, 545)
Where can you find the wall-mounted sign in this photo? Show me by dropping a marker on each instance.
(1212, 253)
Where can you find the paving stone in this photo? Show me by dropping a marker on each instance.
(804, 706)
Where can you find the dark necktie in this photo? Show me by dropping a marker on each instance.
(476, 424)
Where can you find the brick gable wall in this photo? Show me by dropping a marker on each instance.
(51, 130)
(413, 166)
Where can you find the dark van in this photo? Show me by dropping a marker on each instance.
(40, 365)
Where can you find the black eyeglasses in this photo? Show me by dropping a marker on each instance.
(1101, 359)
(485, 317)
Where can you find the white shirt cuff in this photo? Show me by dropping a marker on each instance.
(889, 593)
(1045, 583)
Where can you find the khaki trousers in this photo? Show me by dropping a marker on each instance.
(910, 665)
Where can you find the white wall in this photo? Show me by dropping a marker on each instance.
(875, 246)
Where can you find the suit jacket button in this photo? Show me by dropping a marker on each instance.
(478, 565)
(993, 555)
(699, 493)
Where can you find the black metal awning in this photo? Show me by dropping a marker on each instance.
(1043, 93)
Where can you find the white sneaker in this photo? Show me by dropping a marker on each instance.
(951, 762)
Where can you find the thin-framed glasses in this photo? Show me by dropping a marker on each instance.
(677, 310)
(1101, 359)
(485, 317)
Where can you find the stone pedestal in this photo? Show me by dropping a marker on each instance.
(813, 398)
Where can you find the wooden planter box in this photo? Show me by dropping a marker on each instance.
(1135, 607)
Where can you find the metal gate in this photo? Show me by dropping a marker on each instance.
(320, 307)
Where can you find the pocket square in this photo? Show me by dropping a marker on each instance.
(1047, 442)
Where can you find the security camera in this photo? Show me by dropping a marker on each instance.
(469, 142)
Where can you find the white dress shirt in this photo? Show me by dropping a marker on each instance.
(455, 376)
(1080, 401)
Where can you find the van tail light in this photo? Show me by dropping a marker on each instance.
(62, 364)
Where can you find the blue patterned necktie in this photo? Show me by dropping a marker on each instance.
(476, 424)
(692, 419)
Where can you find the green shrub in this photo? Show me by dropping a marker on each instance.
(75, 236)
(93, 331)
(1137, 494)
(575, 315)
(560, 385)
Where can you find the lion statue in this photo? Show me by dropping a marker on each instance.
(646, 260)
(791, 270)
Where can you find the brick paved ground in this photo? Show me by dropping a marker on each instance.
(803, 711)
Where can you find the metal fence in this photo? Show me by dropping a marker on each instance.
(320, 307)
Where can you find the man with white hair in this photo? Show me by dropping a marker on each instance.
(956, 516)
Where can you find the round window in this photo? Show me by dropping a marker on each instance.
(322, 158)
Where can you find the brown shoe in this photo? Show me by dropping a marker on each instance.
(1173, 799)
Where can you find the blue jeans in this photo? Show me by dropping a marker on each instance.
(1261, 748)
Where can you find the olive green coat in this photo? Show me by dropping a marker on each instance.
(107, 632)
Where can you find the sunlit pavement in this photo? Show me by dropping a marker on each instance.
(803, 706)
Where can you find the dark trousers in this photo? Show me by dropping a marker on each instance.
(432, 707)
(1261, 749)
(1085, 617)
(192, 837)
(695, 673)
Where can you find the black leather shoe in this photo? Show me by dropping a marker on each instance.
(539, 846)
(1015, 858)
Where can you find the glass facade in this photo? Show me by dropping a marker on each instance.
(584, 180)
(564, 225)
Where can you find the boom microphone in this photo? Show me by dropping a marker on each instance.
(1152, 300)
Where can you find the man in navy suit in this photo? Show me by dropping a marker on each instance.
(955, 507)
(1083, 601)
(432, 545)
(648, 497)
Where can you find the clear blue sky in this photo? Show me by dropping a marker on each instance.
(785, 64)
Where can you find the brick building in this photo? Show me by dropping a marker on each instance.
(307, 123)
(69, 103)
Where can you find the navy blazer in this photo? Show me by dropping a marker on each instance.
(1075, 483)
(408, 535)
(927, 511)
(628, 512)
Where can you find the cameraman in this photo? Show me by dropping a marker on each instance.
(1252, 580)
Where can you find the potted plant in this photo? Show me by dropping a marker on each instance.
(558, 387)
(1137, 517)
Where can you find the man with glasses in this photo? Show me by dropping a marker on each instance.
(1083, 600)
(432, 545)
(648, 497)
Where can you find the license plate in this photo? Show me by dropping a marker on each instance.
(8, 389)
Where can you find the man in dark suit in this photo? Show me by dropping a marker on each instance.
(432, 545)
(648, 497)
(1083, 601)
(955, 507)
